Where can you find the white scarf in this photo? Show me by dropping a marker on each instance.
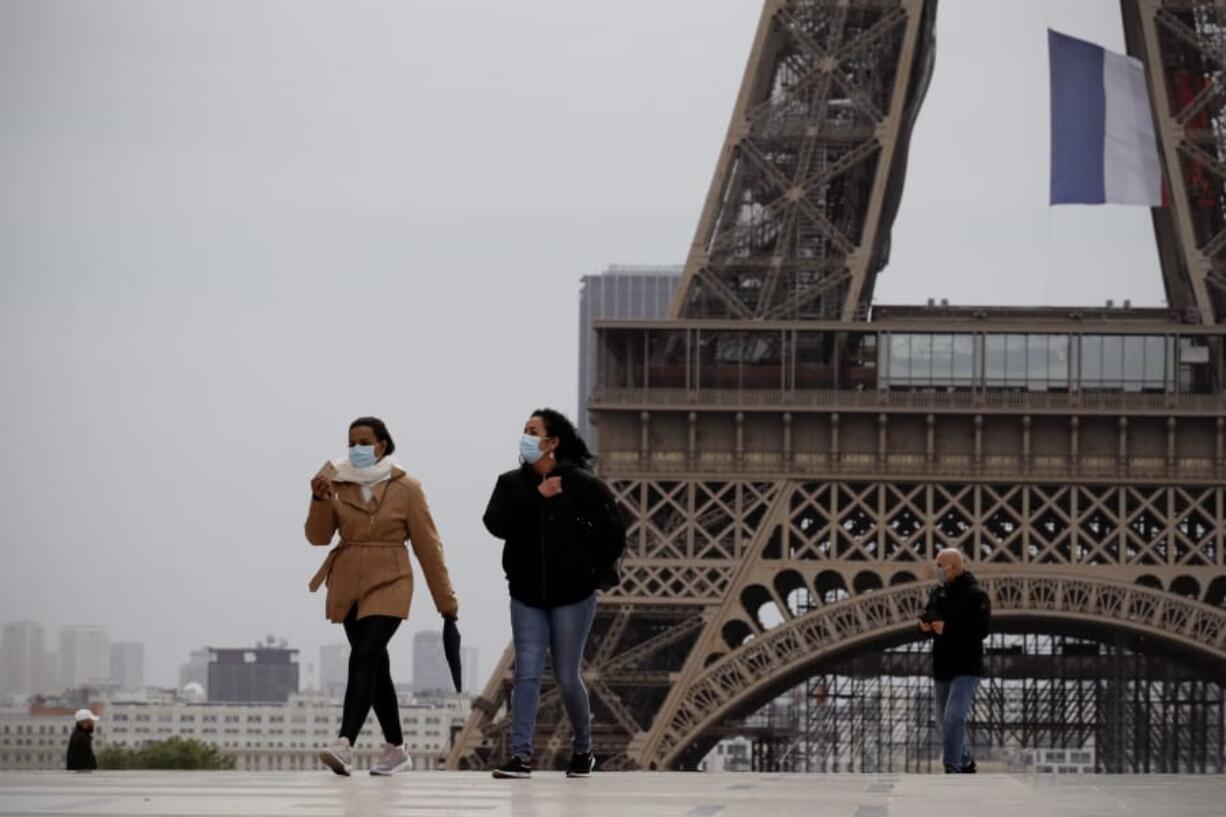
(367, 478)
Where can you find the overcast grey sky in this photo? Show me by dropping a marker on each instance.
(228, 228)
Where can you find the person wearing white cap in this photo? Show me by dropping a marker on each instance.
(80, 745)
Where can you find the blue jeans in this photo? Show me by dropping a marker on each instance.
(953, 702)
(563, 631)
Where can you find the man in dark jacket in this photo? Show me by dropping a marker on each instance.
(80, 745)
(958, 616)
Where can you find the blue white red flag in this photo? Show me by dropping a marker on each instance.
(1103, 149)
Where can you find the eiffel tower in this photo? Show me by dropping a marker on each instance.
(793, 455)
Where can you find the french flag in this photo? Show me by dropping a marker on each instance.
(1103, 149)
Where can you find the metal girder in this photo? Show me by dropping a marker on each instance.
(765, 665)
(811, 167)
(1183, 46)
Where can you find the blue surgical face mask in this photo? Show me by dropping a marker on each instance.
(530, 449)
(942, 575)
(361, 456)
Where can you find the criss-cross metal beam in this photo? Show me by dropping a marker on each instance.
(793, 194)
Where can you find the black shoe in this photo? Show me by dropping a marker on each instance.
(514, 769)
(970, 768)
(952, 770)
(581, 765)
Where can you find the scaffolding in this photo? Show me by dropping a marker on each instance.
(1123, 710)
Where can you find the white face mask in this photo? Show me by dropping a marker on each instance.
(530, 449)
(362, 456)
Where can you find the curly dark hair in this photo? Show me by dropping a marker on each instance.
(571, 446)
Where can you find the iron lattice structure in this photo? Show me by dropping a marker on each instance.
(1095, 701)
(1183, 44)
(791, 466)
(797, 221)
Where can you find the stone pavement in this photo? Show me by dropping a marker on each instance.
(640, 794)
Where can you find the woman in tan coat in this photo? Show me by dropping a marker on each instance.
(376, 507)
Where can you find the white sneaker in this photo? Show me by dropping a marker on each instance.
(338, 756)
(394, 759)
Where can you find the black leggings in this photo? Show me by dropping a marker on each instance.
(370, 677)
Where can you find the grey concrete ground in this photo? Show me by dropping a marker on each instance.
(624, 795)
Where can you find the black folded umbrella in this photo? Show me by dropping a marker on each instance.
(451, 648)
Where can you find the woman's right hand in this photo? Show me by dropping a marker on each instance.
(550, 487)
(321, 487)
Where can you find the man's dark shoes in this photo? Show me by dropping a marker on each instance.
(970, 768)
(581, 765)
(514, 769)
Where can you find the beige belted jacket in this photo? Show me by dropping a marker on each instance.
(370, 566)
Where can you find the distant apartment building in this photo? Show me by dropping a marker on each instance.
(621, 291)
(469, 658)
(333, 670)
(260, 737)
(252, 674)
(196, 670)
(22, 659)
(85, 657)
(127, 665)
(51, 672)
(1078, 760)
(430, 670)
(33, 740)
(729, 755)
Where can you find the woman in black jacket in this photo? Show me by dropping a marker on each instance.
(563, 537)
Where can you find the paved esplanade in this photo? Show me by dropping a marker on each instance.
(116, 794)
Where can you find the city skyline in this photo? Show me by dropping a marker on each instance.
(125, 666)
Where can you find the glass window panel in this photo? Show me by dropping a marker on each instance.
(963, 360)
(1091, 361)
(1113, 361)
(900, 359)
(812, 369)
(1057, 361)
(1172, 363)
(719, 357)
(994, 360)
(622, 359)
(1134, 362)
(763, 360)
(942, 359)
(1036, 362)
(1015, 360)
(921, 360)
(666, 358)
(1155, 362)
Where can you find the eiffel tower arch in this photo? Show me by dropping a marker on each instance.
(793, 455)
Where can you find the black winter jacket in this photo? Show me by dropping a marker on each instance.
(967, 612)
(556, 550)
(81, 751)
